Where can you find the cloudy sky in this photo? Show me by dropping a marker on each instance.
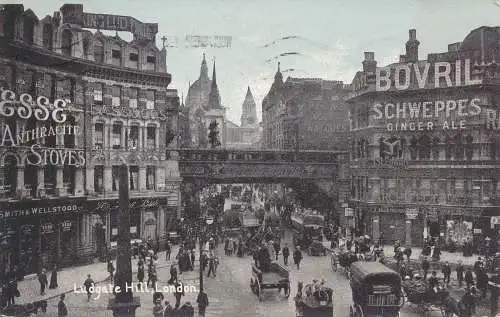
(328, 36)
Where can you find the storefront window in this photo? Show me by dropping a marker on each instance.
(134, 177)
(424, 147)
(50, 179)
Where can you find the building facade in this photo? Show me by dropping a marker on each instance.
(248, 134)
(90, 103)
(424, 151)
(305, 114)
(204, 103)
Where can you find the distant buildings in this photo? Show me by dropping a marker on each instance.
(203, 105)
(424, 156)
(248, 134)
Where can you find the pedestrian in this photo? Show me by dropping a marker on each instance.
(42, 279)
(157, 308)
(187, 310)
(140, 272)
(53, 278)
(168, 250)
(202, 301)
(407, 252)
(11, 292)
(460, 273)
(193, 258)
(62, 310)
(469, 278)
(154, 278)
(433, 280)
(425, 267)
(297, 257)
(299, 300)
(211, 265)
(111, 270)
(226, 246)
(482, 282)
(179, 292)
(477, 265)
(277, 248)
(436, 253)
(89, 284)
(286, 254)
(469, 303)
(495, 290)
(135, 250)
(446, 270)
(168, 311)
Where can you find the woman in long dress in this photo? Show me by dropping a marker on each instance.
(53, 278)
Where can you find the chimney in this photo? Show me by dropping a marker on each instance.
(454, 47)
(369, 64)
(402, 58)
(412, 47)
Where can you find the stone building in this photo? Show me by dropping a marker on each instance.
(204, 104)
(59, 187)
(248, 134)
(424, 150)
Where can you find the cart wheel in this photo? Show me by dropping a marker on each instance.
(288, 290)
(258, 290)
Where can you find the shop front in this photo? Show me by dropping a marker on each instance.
(147, 220)
(38, 234)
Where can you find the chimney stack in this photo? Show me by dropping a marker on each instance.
(369, 64)
(412, 47)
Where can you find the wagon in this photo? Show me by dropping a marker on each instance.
(316, 248)
(318, 305)
(278, 278)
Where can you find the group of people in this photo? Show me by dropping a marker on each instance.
(313, 293)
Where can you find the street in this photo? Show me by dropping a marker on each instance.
(229, 292)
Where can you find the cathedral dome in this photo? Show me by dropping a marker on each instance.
(198, 92)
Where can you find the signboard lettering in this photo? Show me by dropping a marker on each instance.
(126, 112)
(34, 211)
(110, 22)
(142, 203)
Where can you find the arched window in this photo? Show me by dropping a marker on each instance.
(31, 175)
(67, 42)
(99, 51)
(424, 147)
(469, 147)
(8, 179)
(47, 36)
(116, 55)
(413, 148)
(28, 30)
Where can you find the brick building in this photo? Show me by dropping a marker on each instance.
(64, 208)
(424, 152)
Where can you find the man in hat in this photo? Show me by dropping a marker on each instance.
(42, 279)
(297, 257)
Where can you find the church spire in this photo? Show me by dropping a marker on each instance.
(214, 96)
(278, 76)
(204, 68)
(249, 110)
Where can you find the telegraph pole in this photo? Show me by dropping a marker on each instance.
(124, 304)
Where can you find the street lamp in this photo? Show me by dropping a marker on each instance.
(208, 221)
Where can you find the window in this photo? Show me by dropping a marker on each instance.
(99, 51)
(67, 42)
(99, 179)
(116, 96)
(134, 57)
(8, 179)
(28, 30)
(150, 177)
(47, 36)
(459, 148)
(133, 137)
(69, 179)
(448, 147)
(150, 99)
(469, 148)
(413, 148)
(116, 56)
(435, 148)
(115, 174)
(133, 94)
(117, 135)
(134, 177)
(98, 95)
(151, 60)
(99, 135)
(424, 148)
(151, 137)
(69, 138)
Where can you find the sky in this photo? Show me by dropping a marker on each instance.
(328, 37)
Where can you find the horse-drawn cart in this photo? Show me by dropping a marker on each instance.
(278, 277)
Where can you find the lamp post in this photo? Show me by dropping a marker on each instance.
(208, 221)
(124, 304)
